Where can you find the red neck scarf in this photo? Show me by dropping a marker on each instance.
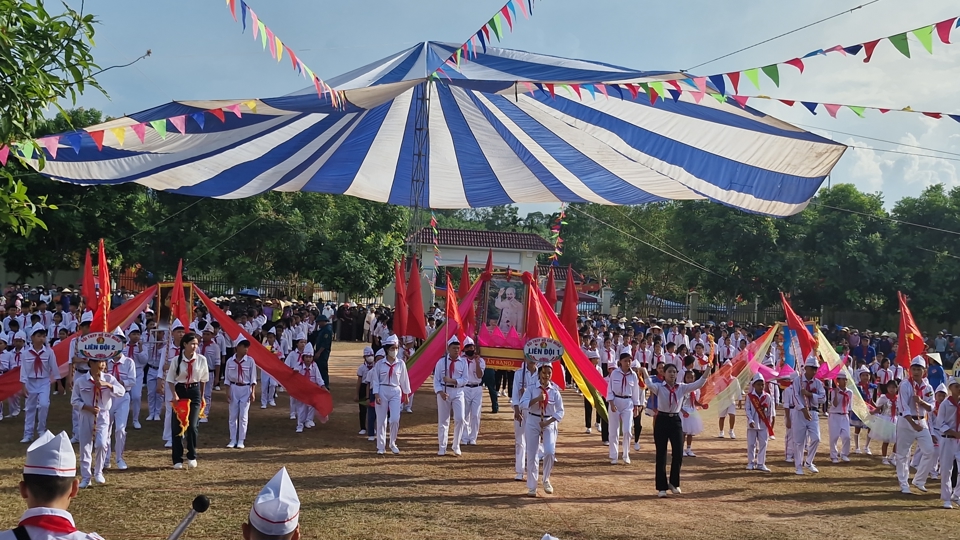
(37, 363)
(623, 381)
(917, 391)
(453, 365)
(239, 362)
(893, 405)
(130, 351)
(54, 524)
(545, 400)
(809, 387)
(16, 355)
(673, 393)
(845, 402)
(115, 370)
(390, 372)
(189, 369)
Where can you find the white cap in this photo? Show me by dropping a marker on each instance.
(51, 455)
(240, 338)
(952, 381)
(276, 510)
(5, 337)
(368, 351)
(119, 332)
(842, 374)
(918, 361)
(176, 324)
(37, 328)
(86, 317)
(409, 339)
(389, 340)
(134, 327)
(272, 330)
(380, 354)
(811, 361)
(299, 336)
(20, 335)
(941, 388)
(308, 350)
(861, 371)
(467, 341)
(453, 339)
(757, 377)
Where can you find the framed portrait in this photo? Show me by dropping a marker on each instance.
(505, 308)
(164, 315)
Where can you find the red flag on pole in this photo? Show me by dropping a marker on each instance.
(453, 311)
(568, 311)
(178, 300)
(400, 299)
(470, 320)
(804, 338)
(416, 323)
(88, 290)
(488, 268)
(100, 318)
(910, 339)
(551, 290)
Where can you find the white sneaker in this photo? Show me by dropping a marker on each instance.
(293, 417)
(442, 452)
(606, 443)
(121, 464)
(240, 445)
(868, 452)
(813, 468)
(835, 460)
(310, 424)
(99, 479)
(614, 461)
(674, 490)
(191, 464)
(661, 494)
(136, 424)
(457, 452)
(921, 487)
(371, 438)
(168, 444)
(626, 459)
(178, 466)
(948, 505)
(273, 403)
(598, 426)
(588, 431)
(84, 483)
(394, 449)
(636, 446)
(532, 492)
(299, 428)
(905, 490)
(773, 438)
(232, 444)
(720, 435)
(857, 451)
(749, 466)
(844, 459)
(732, 434)
(547, 487)
(799, 471)
(690, 453)
(518, 477)
(763, 468)
(363, 432)
(204, 420)
(263, 406)
(885, 461)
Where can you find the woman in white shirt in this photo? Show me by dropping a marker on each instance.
(187, 376)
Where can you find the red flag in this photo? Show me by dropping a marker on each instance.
(416, 324)
(453, 311)
(400, 299)
(910, 339)
(88, 291)
(804, 338)
(470, 319)
(488, 268)
(551, 290)
(100, 317)
(178, 300)
(568, 311)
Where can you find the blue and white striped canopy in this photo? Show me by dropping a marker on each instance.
(496, 136)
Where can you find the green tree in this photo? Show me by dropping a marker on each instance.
(43, 58)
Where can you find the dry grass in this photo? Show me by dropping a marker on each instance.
(348, 492)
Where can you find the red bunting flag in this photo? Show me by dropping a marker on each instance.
(97, 137)
(797, 63)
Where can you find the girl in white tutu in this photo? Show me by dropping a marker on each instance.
(883, 419)
(690, 419)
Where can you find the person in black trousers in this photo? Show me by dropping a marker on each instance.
(490, 381)
(667, 427)
(188, 374)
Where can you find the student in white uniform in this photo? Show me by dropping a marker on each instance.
(838, 419)
(729, 410)
(169, 356)
(268, 385)
(295, 362)
(38, 372)
(809, 395)
(391, 385)
(449, 380)
(49, 484)
(690, 419)
(948, 429)
(240, 376)
(211, 351)
(623, 396)
(93, 396)
(124, 371)
(363, 390)
(155, 375)
(914, 401)
(10, 360)
(544, 407)
(407, 350)
(306, 413)
(472, 392)
(759, 411)
(523, 380)
(789, 407)
(136, 350)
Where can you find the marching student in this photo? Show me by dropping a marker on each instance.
(38, 372)
(371, 399)
(139, 353)
(948, 428)
(295, 361)
(93, 395)
(759, 410)
(363, 389)
(523, 380)
(623, 397)
(187, 375)
(268, 385)
(838, 419)
(12, 359)
(78, 366)
(155, 375)
(788, 395)
(407, 350)
(240, 376)
(690, 420)
(311, 370)
(472, 392)
(544, 406)
(449, 379)
(885, 420)
(868, 392)
(914, 400)
(391, 386)
(121, 368)
(730, 411)
(668, 427)
(170, 353)
(808, 394)
(211, 351)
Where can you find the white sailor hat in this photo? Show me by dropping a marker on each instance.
(811, 361)
(368, 351)
(51, 455)
(952, 381)
(453, 339)
(409, 339)
(862, 371)
(20, 335)
(240, 339)
(299, 336)
(308, 350)
(276, 510)
(842, 374)
(207, 329)
(757, 378)
(134, 327)
(389, 340)
(468, 341)
(941, 388)
(380, 354)
(5, 337)
(119, 333)
(272, 330)
(176, 324)
(87, 317)
(37, 328)
(918, 361)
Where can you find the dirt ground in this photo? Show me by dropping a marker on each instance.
(348, 492)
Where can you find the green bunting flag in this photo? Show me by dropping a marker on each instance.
(754, 76)
(773, 72)
(857, 109)
(900, 42)
(925, 35)
(160, 126)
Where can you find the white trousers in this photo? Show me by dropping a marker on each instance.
(520, 444)
(472, 401)
(536, 435)
(94, 433)
(757, 446)
(168, 396)
(839, 425)
(906, 436)
(155, 393)
(136, 395)
(455, 404)
(239, 412)
(13, 404)
(294, 406)
(119, 414)
(805, 431)
(389, 406)
(268, 388)
(208, 394)
(37, 407)
(622, 419)
(789, 448)
(949, 451)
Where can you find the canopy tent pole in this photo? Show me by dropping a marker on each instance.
(421, 161)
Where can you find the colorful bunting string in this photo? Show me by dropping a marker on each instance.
(505, 16)
(555, 230)
(436, 240)
(52, 143)
(268, 39)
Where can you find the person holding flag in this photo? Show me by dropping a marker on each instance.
(914, 400)
(544, 406)
(449, 380)
(838, 419)
(809, 394)
(122, 368)
(759, 411)
(93, 395)
(391, 386)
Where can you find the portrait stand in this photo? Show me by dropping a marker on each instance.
(501, 320)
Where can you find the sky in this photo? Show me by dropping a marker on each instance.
(199, 52)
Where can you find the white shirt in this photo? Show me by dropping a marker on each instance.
(85, 393)
(243, 371)
(669, 400)
(814, 386)
(908, 389)
(36, 533)
(383, 375)
(312, 372)
(454, 369)
(12, 359)
(624, 385)
(766, 405)
(523, 380)
(472, 368)
(124, 370)
(844, 399)
(199, 374)
(38, 365)
(211, 351)
(551, 407)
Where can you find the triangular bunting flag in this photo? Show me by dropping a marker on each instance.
(717, 81)
(814, 53)
(883, 111)
(944, 28)
(701, 83)
(279, 47)
(734, 77)
(576, 89)
(773, 72)
(836, 48)
(120, 133)
(853, 50)
(832, 109)
(51, 143)
(272, 43)
(235, 109)
(900, 42)
(198, 117)
(494, 25)
(697, 96)
(742, 100)
(243, 16)
(603, 89)
(233, 8)
(513, 10)
(252, 105)
(160, 126)
(553, 90)
(26, 149)
(263, 34)
(954, 116)
(179, 122)
(933, 115)
(719, 97)
(675, 94)
(857, 110)
(787, 102)
(506, 15)
(590, 88)
(812, 107)
(869, 48)
(140, 130)
(73, 140)
(754, 76)
(797, 63)
(676, 84)
(529, 88)
(925, 35)
(97, 137)
(254, 23)
(4, 154)
(658, 87)
(653, 95)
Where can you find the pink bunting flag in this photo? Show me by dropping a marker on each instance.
(272, 42)
(140, 130)
(179, 122)
(4, 154)
(235, 109)
(51, 143)
(523, 8)
(797, 63)
(832, 109)
(603, 89)
(528, 85)
(701, 83)
(256, 23)
(943, 29)
(742, 100)
(697, 96)
(836, 48)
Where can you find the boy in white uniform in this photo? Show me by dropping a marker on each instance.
(449, 379)
(93, 395)
(730, 411)
(544, 407)
(268, 385)
(295, 361)
(136, 351)
(124, 371)
(391, 386)
(472, 392)
(11, 360)
(311, 371)
(838, 419)
(948, 428)
(211, 350)
(808, 396)
(759, 411)
(914, 400)
(623, 395)
(38, 371)
(241, 379)
(523, 380)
